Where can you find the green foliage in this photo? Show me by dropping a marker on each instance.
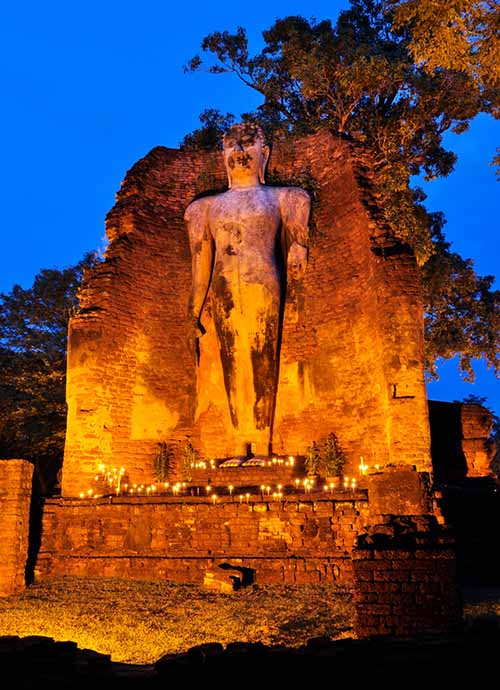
(33, 334)
(209, 135)
(462, 311)
(313, 460)
(395, 75)
(163, 461)
(189, 458)
(462, 36)
(333, 456)
(326, 459)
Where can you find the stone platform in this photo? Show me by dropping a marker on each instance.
(298, 539)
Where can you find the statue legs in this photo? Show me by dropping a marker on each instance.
(247, 324)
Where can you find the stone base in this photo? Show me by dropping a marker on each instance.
(297, 540)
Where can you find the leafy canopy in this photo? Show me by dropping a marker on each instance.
(373, 78)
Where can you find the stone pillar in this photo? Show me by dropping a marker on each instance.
(404, 565)
(15, 498)
(405, 583)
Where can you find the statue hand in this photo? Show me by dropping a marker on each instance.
(297, 261)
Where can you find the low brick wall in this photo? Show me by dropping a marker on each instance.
(15, 499)
(407, 585)
(178, 539)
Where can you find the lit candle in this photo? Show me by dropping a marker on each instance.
(291, 460)
(332, 486)
(247, 496)
(214, 498)
(208, 489)
(231, 488)
(268, 489)
(297, 483)
(346, 482)
(363, 467)
(82, 495)
(241, 498)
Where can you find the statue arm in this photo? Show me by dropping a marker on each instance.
(296, 207)
(202, 254)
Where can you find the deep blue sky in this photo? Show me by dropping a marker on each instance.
(89, 88)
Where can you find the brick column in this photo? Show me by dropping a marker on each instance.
(15, 498)
(404, 580)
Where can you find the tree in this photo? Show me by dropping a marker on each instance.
(209, 135)
(33, 334)
(463, 36)
(359, 79)
(462, 312)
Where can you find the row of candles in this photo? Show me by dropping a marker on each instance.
(111, 481)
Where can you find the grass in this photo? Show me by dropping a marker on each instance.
(137, 622)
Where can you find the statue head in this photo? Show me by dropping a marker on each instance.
(245, 153)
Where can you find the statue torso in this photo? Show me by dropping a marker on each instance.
(244, 224)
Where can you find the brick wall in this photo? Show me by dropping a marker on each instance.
(301, 541)
(352, 347)
(15, 498)
(404, 585)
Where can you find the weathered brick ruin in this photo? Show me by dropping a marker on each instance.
(460, 440)
(15, 497)
(351, 354)
(351, 363)
(179, 539)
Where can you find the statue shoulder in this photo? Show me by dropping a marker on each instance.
(293, 198)
(294, 195)
(197, 210)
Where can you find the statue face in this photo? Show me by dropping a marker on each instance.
(245, 153)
